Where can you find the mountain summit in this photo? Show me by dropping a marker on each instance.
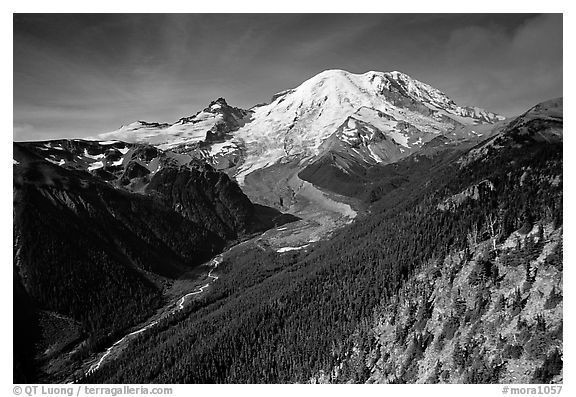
(212, 123)
(298, 121)
(361, 119)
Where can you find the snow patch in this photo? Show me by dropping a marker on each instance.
(286, 249)
(95, 165)
(222, 148)
(93, 157)
(61, 162)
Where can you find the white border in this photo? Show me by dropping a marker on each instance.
(295, 6)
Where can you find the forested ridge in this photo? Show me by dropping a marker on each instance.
(288, 317)
(94, 260)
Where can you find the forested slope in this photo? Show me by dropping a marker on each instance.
(296, 317)
(92, 259)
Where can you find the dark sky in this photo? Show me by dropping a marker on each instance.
(79, 75)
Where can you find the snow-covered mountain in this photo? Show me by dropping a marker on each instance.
(297, 122)
(207, 125)
(364, 119)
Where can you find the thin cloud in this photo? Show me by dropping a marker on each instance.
(77, 75)
(507, 71)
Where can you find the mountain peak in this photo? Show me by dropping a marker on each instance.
(543, 121)
(399, 75)
(332, 73)
(218, 103)
(143, 124)
(376, 83)
(551, 108)
(297, 121)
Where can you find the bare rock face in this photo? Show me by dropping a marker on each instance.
(134, 170)
(232, 119)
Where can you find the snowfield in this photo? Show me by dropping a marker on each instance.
(299, 120)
